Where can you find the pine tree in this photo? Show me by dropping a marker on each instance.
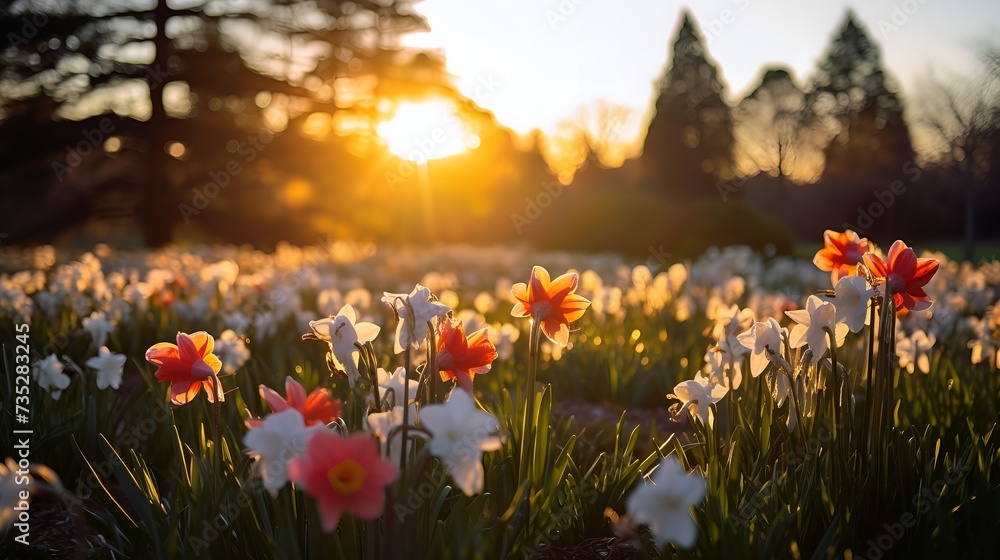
(855, 101)
(689, 143)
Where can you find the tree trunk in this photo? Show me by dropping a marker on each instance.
(158, 210)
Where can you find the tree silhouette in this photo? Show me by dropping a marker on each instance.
(230, 69)
(771, 131)
(965, 119)
(690, 139)
(854, 102)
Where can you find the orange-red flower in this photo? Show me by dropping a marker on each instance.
(841, 254)
(462, 358)
(905, 275)
(343, 475)
(189, 366)
(553, 302)
(317, 407)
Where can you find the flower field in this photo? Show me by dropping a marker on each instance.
(343, 401)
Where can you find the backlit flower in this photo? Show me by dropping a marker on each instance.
(414, 310)
(49, 375)
(188, 366)
(99, 327)
(232, 350)
(759, 338)
(812, 324)
(343, 331)
(460, 433)
(344, 475)
(665, 505)
(703, 392)
(914, 351)
(460, 357)
(841, 254)
(317, 408)
(109, 368)
(390, 388)
(382, 425)
(553, 302)
(986, 346)
(905, 275)
(853, 300)
(275, 442)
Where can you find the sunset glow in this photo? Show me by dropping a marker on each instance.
(421, 131)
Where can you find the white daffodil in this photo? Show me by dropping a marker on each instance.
(812, 325)
(109, 368)
(414, 310)
(665, 505)
(232, 350)
(914, 352)
(715, 365)
(236, 321)
(99, 327)
(49, 375)
(280, 438)
(703, 392)
(395, 382)
(382, 424)
(460, 433)
(343, 331)
(853, 300)
(986, 345)
(758, 338)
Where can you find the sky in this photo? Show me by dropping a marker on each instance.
(545, 59)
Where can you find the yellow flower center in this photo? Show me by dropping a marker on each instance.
(346, 477)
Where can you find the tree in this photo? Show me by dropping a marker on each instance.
(771, 132)
(228, 69)
(690, 140)
(965, 118)
(854, 102)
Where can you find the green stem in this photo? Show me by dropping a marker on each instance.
(430, 370)
(371, 368)
(406, 408)
(216, 413)
(869, 388)
(838, 395)
(527, 432)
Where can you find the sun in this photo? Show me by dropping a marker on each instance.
(426, 130)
